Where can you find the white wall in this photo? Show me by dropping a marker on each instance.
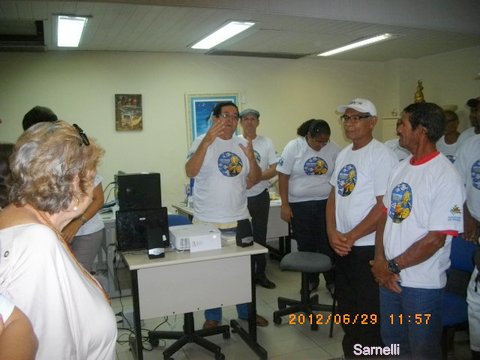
(80, 87)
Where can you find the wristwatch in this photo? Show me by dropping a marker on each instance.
(392, 266)
(83, 219)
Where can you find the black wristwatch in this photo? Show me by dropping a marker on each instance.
(392, 266)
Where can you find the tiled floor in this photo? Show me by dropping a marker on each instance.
(282, 342)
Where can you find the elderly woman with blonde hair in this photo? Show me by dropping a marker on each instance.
(53, 166)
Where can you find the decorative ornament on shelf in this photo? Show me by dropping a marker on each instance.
(419, 98)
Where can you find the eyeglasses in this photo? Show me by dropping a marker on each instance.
(354, 118)
(84, 136)
(228, 116)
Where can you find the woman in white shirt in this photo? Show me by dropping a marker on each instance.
(304, 172)
(53, 167)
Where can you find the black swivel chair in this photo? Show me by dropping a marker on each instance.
(189, 334)
(306, 262)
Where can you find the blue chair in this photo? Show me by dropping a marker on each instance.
(174, 220)
(455, 313)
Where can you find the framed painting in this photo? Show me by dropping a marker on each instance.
(199, 108)
(128, 112)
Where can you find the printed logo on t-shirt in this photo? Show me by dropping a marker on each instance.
(347, 179)
(476, 174)
(257, 156)
(401, 205)
(315, 166)
(230, 164)
(280, 161)
(452, 158)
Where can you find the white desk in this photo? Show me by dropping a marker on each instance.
(277, 228)
(185, 282)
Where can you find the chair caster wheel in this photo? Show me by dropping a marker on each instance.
(277, 319)
(219, 356)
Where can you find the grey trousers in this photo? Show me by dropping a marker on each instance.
(86, 247)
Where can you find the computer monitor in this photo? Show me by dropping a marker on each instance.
(142, 229)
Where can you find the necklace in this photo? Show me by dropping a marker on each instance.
(60, 237)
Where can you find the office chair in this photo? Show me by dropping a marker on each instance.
(305, 262)
(455, 308)
(189, 334)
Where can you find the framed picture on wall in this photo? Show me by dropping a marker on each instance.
(199, 108)
(128, 112)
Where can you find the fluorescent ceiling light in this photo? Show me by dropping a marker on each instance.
(224, 33)
(357, 44)
(69, 30)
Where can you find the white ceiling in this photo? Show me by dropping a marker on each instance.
(283, 27)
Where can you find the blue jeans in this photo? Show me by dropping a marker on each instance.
(412, 319)
(216, 313)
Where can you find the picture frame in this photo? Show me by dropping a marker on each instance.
(128, 112)
(198, 111)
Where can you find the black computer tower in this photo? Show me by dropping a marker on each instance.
(138, 191)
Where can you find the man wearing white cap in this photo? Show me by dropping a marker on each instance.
(355, 204)
(258, 196)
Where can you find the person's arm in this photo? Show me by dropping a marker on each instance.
(470, 224)
(421, 250)
(368, 224)
(255, 172)
(17, 339)
(285, 211)
(269, 173)
(73, 226)
(337, 240)
(194, 164)
(382, 275)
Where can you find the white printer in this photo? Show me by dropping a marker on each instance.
(195, 237)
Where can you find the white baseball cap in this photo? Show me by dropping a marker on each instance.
(361, 105)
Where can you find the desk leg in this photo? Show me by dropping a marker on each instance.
(250, 337)
(137, 348)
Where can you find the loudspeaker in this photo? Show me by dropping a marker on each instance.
(138, 191)
(142, 229)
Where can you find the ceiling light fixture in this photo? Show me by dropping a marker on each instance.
(224, 33)
(358, 44)
(69, 30)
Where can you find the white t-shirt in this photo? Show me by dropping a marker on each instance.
(422, 198)
(399, 151)
(69, 313)
(468, 165)
(309, 170)
(6, 308)
(265, 155)
(465, 134)
(359, 177)
(95, 223)
(447, 149)
(219, 194)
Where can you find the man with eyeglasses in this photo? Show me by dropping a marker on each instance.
(354, 205)
(258, 196)
(223, 166)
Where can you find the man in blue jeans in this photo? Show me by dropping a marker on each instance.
(422, 211)
(223, 166)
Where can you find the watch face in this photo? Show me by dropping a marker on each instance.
(393, 267)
